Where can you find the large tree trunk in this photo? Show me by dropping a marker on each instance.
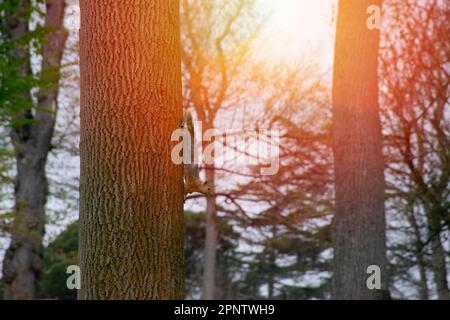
(131, 193)
(359, 222)
(211, 239)
(23, 263)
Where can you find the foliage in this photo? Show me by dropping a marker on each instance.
(195, 223)
(58, 255)
(17, 79)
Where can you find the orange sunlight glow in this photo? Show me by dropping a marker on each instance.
(300, 27)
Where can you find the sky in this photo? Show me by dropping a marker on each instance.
(301, 27)
(293, 27)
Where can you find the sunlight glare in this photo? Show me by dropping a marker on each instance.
(296, 26)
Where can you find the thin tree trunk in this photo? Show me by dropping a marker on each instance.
(23, 263)
(359, 222)
(423, 283)
(131, 193)
(438, 260)
(272, 264)
(421, 264)
(209, 276)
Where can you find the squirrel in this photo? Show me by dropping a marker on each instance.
(191, 172)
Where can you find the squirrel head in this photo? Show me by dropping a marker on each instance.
(206, 188)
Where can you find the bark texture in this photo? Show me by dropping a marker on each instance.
(23, 263)
(359, 222)
(131, 193)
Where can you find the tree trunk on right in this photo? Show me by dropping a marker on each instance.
(359, 224)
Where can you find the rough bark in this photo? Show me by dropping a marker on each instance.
(211, 239)
(131, 193)
(359, 222)
(23, 263)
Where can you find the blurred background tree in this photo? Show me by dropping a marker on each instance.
(58, 255)
(415, 96)
(31, 117)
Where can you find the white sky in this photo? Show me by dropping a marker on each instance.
(301, 27)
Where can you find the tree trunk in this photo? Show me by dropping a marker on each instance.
(418, 251)
(209, 275)
(272, 264)
(23, 263)
(359, 222)
(131, 193)
(438, 263)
